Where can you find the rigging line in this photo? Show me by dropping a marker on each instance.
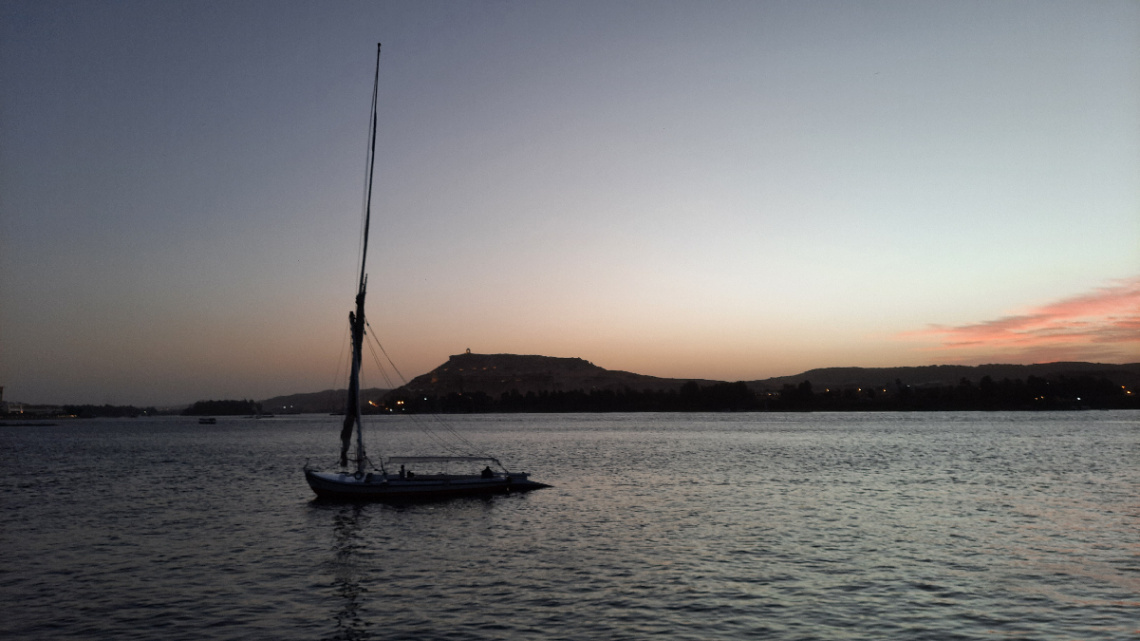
(365, 197)
(372, 334)
(440, 440)
(446, 427)
(380, 367)
(338, 372)
(371, 437)
(443, 424)
(370, 171)
(450, 429)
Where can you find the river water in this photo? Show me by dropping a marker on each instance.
(674, 526)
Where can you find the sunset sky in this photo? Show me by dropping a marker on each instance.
(720, 190)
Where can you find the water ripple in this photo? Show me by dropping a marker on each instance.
(924, 526)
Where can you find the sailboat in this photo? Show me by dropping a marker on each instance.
(357, 481)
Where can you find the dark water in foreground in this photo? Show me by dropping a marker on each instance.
(726, 526)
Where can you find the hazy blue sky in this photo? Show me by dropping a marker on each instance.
(723, 190)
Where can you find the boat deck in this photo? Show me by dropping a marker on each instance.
(393, 486)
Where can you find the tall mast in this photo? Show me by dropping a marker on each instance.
(356, 320)
(371, 169)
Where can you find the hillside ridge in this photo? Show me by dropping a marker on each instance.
(498, 374)
(494, 374)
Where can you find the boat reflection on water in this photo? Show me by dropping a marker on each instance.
(347, 580)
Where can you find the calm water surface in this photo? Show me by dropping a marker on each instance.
(675, 526)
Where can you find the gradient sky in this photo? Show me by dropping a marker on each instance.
(722, 190)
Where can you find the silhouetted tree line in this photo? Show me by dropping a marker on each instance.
(112, 411)
(223, 408)
(1054, 393)
(1034, 393)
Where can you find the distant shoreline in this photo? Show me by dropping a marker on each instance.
(510, 383)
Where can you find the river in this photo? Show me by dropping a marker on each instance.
(675, 526)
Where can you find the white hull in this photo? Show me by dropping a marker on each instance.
(345, 485)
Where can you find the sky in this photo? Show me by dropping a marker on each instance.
(718, 190)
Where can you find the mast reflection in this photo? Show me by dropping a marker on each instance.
(347, 581)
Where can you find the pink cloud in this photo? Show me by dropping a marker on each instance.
(1103, 324)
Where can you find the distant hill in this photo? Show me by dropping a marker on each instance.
(326, 402)
(947, 375)
(494, 374)
(491, 376)
(514, 383)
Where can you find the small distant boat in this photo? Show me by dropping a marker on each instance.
(419, 477)
(208, 421)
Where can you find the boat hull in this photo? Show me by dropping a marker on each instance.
(378, 487)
